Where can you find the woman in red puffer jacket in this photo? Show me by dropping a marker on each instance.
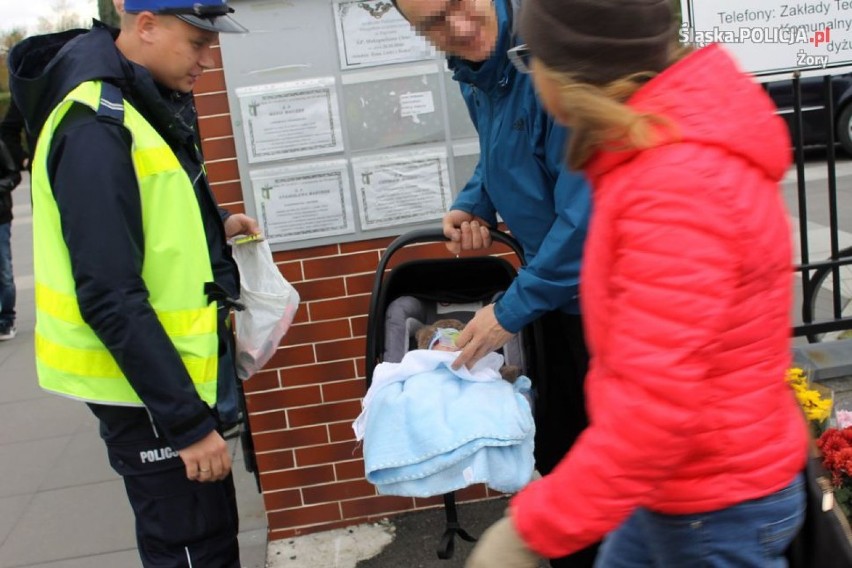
(696, 444)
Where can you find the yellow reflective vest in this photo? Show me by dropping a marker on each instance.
(70, 359)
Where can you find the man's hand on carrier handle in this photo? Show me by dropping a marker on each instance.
(482, 335)
(465, 231)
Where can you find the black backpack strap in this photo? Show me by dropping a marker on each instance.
(447, 546)
(111, 107)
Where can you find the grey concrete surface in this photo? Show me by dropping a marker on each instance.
(61, 505)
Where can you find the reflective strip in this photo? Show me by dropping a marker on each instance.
(97, 364)
(176, 323)
(152, 161)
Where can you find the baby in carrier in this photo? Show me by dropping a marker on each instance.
(429, 429)
(441, 336)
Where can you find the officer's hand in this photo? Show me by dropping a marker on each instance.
(465, 231)
(500, 546)
(241, 224)
(482, 335)
(207, 459)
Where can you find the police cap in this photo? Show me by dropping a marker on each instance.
(211, 15)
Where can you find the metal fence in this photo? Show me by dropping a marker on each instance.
(825, 278)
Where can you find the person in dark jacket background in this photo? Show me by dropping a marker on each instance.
(134, 277)
(12, 131)
(521, 177)
(10, 177)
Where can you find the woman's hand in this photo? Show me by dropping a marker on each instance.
(501, 547)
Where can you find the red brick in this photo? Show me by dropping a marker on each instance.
(346, 390)
(284, 398)
(309, 529)
(293, 438)
(292, 271)
(373, 244)
(349, 470)
(282, 499)
(289, 356)
(216, 52)
(342, 431)
(219, 149)
(329, 453)
(268, 421)
(302, 316)
(271, 461)
(359, 326)
(376, 506)
(339, 308)
(305, 254)
(360, 284)
(263, 381)
(302, 516)
(341, 349)
(319, 373)
(228, 192)
(237, 207)
(215, 126)
(361, 368)
(310, 290)
(299, 477)
(323, 414)
(226, 170)
(341, 265)
(211, 81)
(216, 103)
(321, 331)
(331, 492)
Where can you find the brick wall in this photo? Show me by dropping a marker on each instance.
(302, 406)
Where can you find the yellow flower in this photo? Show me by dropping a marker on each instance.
(817, 407)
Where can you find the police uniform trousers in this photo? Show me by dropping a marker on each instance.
(560, 403)
(179, 523)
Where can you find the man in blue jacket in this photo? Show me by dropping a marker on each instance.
(134, 276)
(520, 176)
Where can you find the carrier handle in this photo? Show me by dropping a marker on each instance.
(410, 238)
(437, 235)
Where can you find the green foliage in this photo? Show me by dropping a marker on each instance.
(107, 13)
(843, 495)
(5, 100)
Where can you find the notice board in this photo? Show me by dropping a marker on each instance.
(348, 125)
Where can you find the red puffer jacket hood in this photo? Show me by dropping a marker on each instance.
(711, 103)
(686, 294)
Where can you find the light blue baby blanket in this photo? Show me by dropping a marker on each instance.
(429, 430)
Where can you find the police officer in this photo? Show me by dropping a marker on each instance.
(134, 278)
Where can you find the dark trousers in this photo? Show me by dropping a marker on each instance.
(560, 403)
(179, 523)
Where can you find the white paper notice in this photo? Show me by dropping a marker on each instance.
(415, 104)
(401, 188)
(373, 32)
(303, 202)
(290, 120)
(771, 38)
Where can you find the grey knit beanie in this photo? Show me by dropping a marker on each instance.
(599, 41)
